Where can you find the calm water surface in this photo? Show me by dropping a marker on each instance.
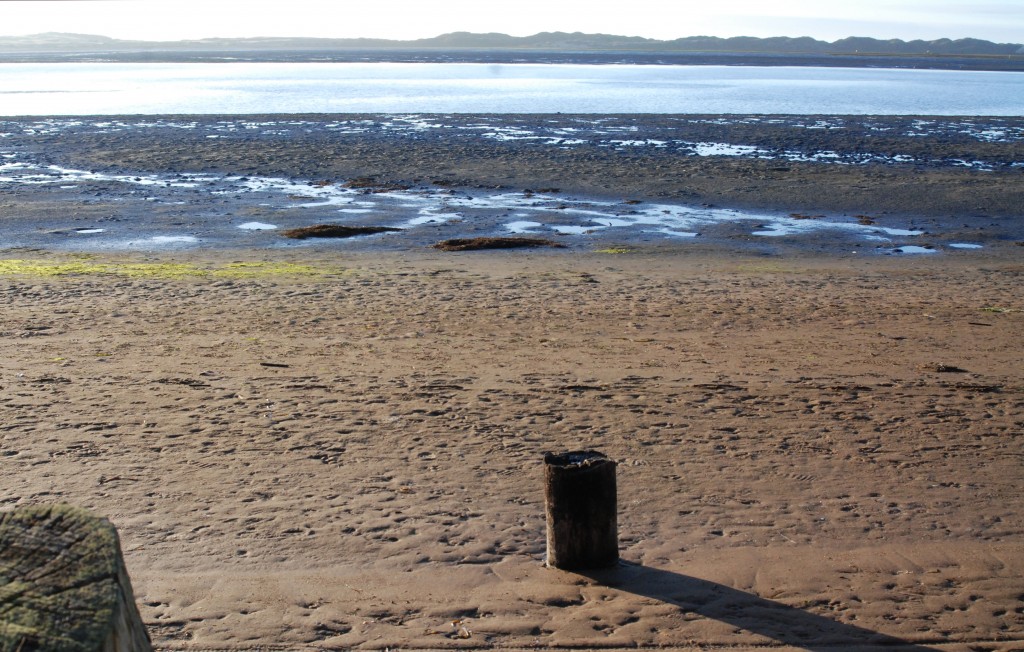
(249, 88)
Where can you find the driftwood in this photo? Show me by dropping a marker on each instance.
(63, 584)
(580, 504)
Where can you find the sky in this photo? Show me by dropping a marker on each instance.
(156, 20)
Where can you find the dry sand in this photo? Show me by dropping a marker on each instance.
(813, 454)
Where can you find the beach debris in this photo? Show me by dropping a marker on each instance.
(44, 380)
(275, 365)
(472, 244)
(980, 388)
(327, 630)
(334, 231)
(104, 479)
(457, 628)
(942, 368)
(188, 382)
(720, 387)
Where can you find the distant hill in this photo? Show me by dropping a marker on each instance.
(546, 47)
(55, 42)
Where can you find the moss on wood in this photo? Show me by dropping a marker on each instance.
(63, 585)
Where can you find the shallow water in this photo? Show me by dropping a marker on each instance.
(250, 88)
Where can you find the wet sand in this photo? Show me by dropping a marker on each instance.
(333, 449)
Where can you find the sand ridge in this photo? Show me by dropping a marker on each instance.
(812, 453)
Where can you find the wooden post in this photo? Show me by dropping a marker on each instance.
(63, 584)
(580, 501)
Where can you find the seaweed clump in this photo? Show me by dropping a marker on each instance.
(334, 231)
(474, 244)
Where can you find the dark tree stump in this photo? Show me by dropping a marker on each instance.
(582, 519)
(63, 584)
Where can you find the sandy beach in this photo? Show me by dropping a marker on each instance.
(338, 448)
(347, 452)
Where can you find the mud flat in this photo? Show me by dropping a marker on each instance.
(592, 179)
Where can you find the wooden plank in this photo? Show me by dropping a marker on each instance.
(581, 511)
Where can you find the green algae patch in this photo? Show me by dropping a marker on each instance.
(613, 250)
(22, 267)
(159, 270)
(145, 270)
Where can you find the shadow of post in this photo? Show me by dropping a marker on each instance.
(779, 622)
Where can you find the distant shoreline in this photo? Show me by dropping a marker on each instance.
(979, 62)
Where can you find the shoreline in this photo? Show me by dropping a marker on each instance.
(322, 263)
(995, 63)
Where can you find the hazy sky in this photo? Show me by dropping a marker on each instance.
(995, 20)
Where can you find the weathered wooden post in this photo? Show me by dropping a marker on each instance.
(63, 584)
(582, 519)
